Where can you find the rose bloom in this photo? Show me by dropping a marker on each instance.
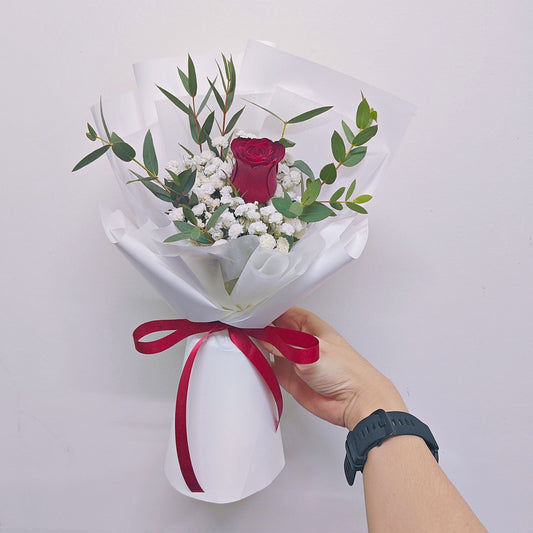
(256, 166)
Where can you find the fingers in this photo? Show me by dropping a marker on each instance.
(323, 407)
(303, 320)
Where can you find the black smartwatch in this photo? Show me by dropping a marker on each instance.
(375, 429)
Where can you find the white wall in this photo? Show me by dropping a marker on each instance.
(441, 300)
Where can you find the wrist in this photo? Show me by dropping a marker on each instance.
(364, 403)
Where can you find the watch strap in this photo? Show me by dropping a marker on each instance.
(374, 430)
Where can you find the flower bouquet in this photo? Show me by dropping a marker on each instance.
(261, 197)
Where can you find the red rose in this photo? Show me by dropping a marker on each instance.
(256, 166)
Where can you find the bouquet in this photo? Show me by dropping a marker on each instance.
(266, 173)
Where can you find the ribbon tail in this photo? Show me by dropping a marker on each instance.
(180, 421)
(256, 357)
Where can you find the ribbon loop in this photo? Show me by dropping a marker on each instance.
(296, 346)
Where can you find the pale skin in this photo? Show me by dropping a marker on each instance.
(405, 489)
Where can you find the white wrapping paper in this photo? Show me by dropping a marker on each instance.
(234, 448)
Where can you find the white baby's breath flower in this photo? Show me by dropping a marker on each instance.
(209, 170)
(267, 210)
(198, 209)
(236, 201)
(220, 141)
(176, 214)
(241, 210)
(287, 228)
(235, 230)
(227, 219)
(216, 233)
(279, 191)
(226, 168)
(288, 159)
(226, 190)
(283, 169)
(267, 241)
(282, 245)
(225, 199)
(275, 218)
(257, 228)
(206, 188)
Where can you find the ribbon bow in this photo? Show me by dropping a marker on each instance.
(296, 346)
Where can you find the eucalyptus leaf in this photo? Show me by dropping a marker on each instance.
(187, 150)
(92, 132)
(316, 212)
(350, 135)
(233, 120)
(365, 135)
(176, 101)
(218, 97)
(189, 215)
(286, 142)
(311, 192)
(205, 238)
(283, 205)
(355, 156)
(356, 207)
(178, 237)
(222, 79)
(337, 194)
(304, 167)
(123, 151)
(157, 191)
(296, 208)
(335, 205)
(328, 174)
(149, 155)
(207, 127)
(184, 80)
(363, 114)
(309, 114)
(91, 157)
(183, 226)
(205, 100)
(191, 77)
(215, 216)
(350, 190)
(337, 147)
(195, 233)
(264, 109)
(363, 199)
(103, 121)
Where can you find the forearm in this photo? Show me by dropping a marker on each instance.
(407, 491)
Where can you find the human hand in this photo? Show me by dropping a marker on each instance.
(342, 387)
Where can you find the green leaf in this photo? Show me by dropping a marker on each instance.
(286, 142)
(363, 199)
(192, 128)
(219, 99)
(149, 156)
(283, 205)
(92, 135)
(123, 151)
(184, 80)
(192, 77)
(178, 237)
(91, 157)
(363, 114)
(103, 120)
(184, 180)
(373, 115)
(309, 114)
(355, 156)
(176, 101)
(215, 216)
(233, 120)
(195, 233)
(264, 109)
(232, 75)
(183, 226)
(304, 167)
(337, 194)
(205, 238)
(316, 212)
(187, 150)
(296, 208)
(356, 207)
(336, 205)
(157, 191)
(205, 100)
(207, 127)
(222, 79)
(350, 190)
(328, 174)
(365, 135)
(350, 135)
(189, 215)
(311, 193)
(337, 147)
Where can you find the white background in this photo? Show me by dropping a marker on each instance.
(441, 300)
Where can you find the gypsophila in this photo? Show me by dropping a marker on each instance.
(212, 188)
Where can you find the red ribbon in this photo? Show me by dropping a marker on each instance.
(296, 346)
